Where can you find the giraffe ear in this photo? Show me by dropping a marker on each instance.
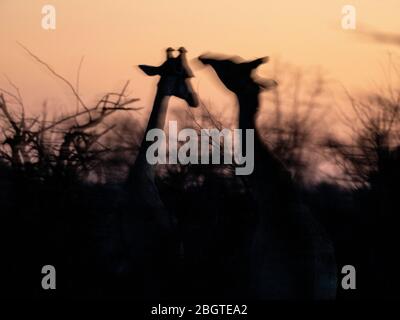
(257, 62)
(150, 70)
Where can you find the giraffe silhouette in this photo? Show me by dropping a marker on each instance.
(291, 256)
(151, 227)
(174, 74)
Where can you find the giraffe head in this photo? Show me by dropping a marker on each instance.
(173, 77)
(239, 76)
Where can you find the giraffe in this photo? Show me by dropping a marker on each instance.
(148, 234)
(174, 74)
(289, 246)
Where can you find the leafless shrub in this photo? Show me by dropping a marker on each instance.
(291, 122)
(70, 145)
(373, 146)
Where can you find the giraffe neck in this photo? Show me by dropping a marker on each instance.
(141, 165)
(142, 175)
(156, 120)
(248, 106)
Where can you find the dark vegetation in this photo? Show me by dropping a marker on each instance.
(64, 201)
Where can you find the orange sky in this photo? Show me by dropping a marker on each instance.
(115, 35)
